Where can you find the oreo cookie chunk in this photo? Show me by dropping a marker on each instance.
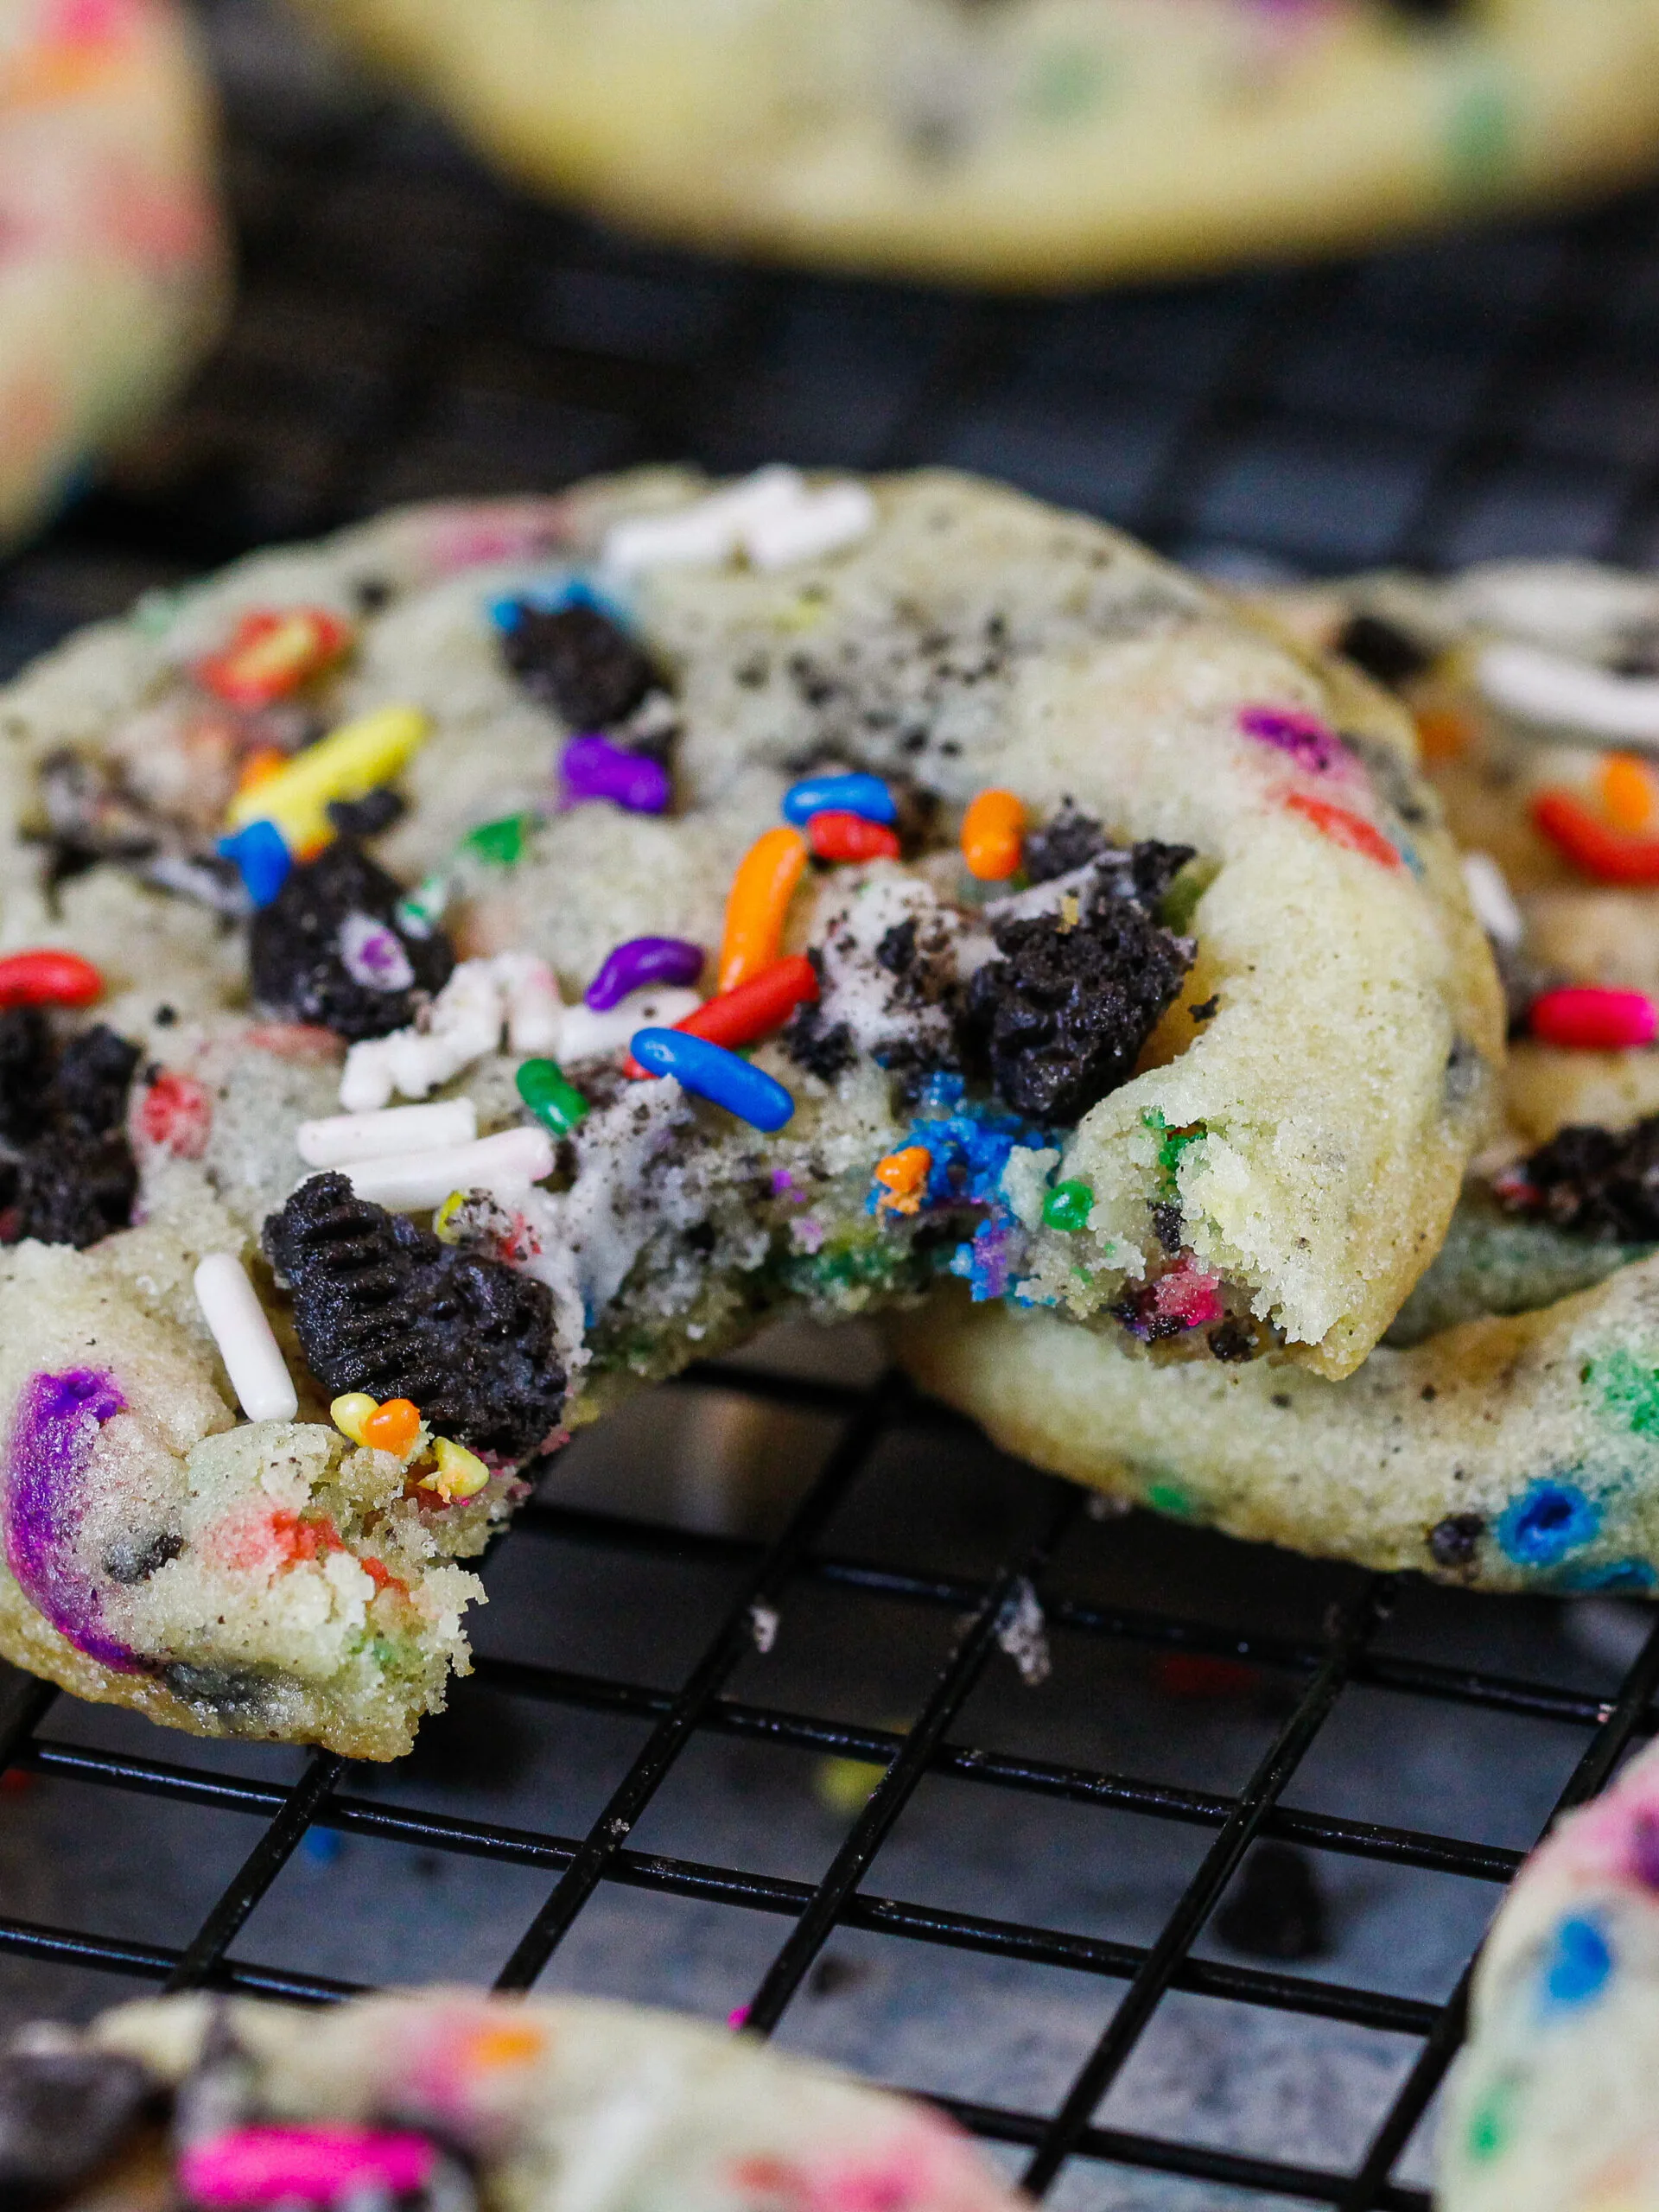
(1062, 1016)
(1603, 1183)
(332, 948)
(73, 1179)
(381, 1307)
(577, 660)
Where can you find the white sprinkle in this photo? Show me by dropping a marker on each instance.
(410, 1182)
(252, 1358)
(1490, 895)
(707, 531)
(462, 1024)
(1023, 1634)
(340, 1138)
(586, 1035)
(373, 956)
(817, 522)
(762, 1627)
(535, 1011)
(1545, 687)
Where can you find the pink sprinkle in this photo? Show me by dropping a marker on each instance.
(1585, 1020)
(807, 1234)
(1189, 1294)
(738, 2017)
(176, 1114)
(314, 2165)
(1644, 1847)
(1304, 737)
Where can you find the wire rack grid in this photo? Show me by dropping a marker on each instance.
(407, 326)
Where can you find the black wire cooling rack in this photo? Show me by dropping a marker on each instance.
(406, 327)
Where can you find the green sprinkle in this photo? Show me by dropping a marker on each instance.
(550, 1096)
(1172, 1143)
(423, 909)
(1069, 1205)
(1489, 2129)
(1480, 136)
(1166, 1497)
(501, 844)
(1629, 1392)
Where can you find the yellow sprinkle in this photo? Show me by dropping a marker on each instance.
(844, 1785)
(461, 1473)
(443, 1221)
(349, 763)
(349, 1412)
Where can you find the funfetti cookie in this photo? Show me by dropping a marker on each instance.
(1038, 141)
(1549, 2108)
(492, 958)
(113, 274)
(445, 2099)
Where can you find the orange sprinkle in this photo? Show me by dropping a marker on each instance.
(1344, 828)
(903, 1176)
(392, 1427)
(1627, 791)
(992, 830)
(757, 903)
(505, 2046)
(260, 767)
(1444, 733)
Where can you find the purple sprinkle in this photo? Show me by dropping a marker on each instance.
(643, 960)
(1304, 737)
(594, 768)
(48, 1454)
(782, 1182)
(1644, 1848)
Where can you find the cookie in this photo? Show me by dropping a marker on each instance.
(1549, 2108)
(558, 937)
(1040, 142)
(448, 2099)
(114, 273)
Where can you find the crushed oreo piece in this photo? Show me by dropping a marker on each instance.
(1602, 1183)
(1382, 650)
(1205, 1009)
(822, 1048)
(1062, 1016)
(298, 946)
(382, 1306)
(134, 1558)
(1167, 1225)
(897, 951)
(1275, 1911)
(1231, 1342)
(1067, 841)
(73, 1179)
(579, 661)
(243, 1692)
(63, 2114)
(1454, 1541)
(368, 816)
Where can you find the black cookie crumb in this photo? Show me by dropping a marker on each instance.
(381, 1307)
(134, 1559)
(578, 660)
(1454, 1541)
(1603, 1183)
(897, 951)
(75, 1178)
(68, 1190)
(63, 2114)
(1232, 1342)
(28, 1062)
(1065, 843)
(243, 1691)
(297, 961)
(1382, 650)
(1063, 1014)
(1205, 1009)
(1167, 1225)
(368, 816)
(822, 1048)
(93, 1077)
(1275, 1910)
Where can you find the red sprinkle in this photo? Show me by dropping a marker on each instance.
(1344, 828)
(750, 1012)
(1586, 1019)
(1188, 1294)
(48, 978)
(1609, 855)
(272, 652)
(176, 1114)
(835, 835)
(382, 1576)
(304, 1540)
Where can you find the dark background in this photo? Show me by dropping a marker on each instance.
(1038, 1854)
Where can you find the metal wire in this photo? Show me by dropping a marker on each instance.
(406, 327)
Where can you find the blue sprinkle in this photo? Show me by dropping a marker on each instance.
(1546, 1521)
(942, 1090)
(1578, 1965)
(713, 1073)
(262, 856)
(550, 597)
(862, 795)
(321, 1845)
(1634, 1575)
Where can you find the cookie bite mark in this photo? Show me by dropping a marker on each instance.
(49, 1450)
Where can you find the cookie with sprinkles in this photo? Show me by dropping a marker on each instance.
(1549, 2108)
(113, 280)
(1037, 142)
(446, 2099)
(543, 941)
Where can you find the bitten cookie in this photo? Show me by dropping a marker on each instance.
(445, 2099)
(661, 908)
(1550, 2106)
(1039, 142)
(113, 275)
